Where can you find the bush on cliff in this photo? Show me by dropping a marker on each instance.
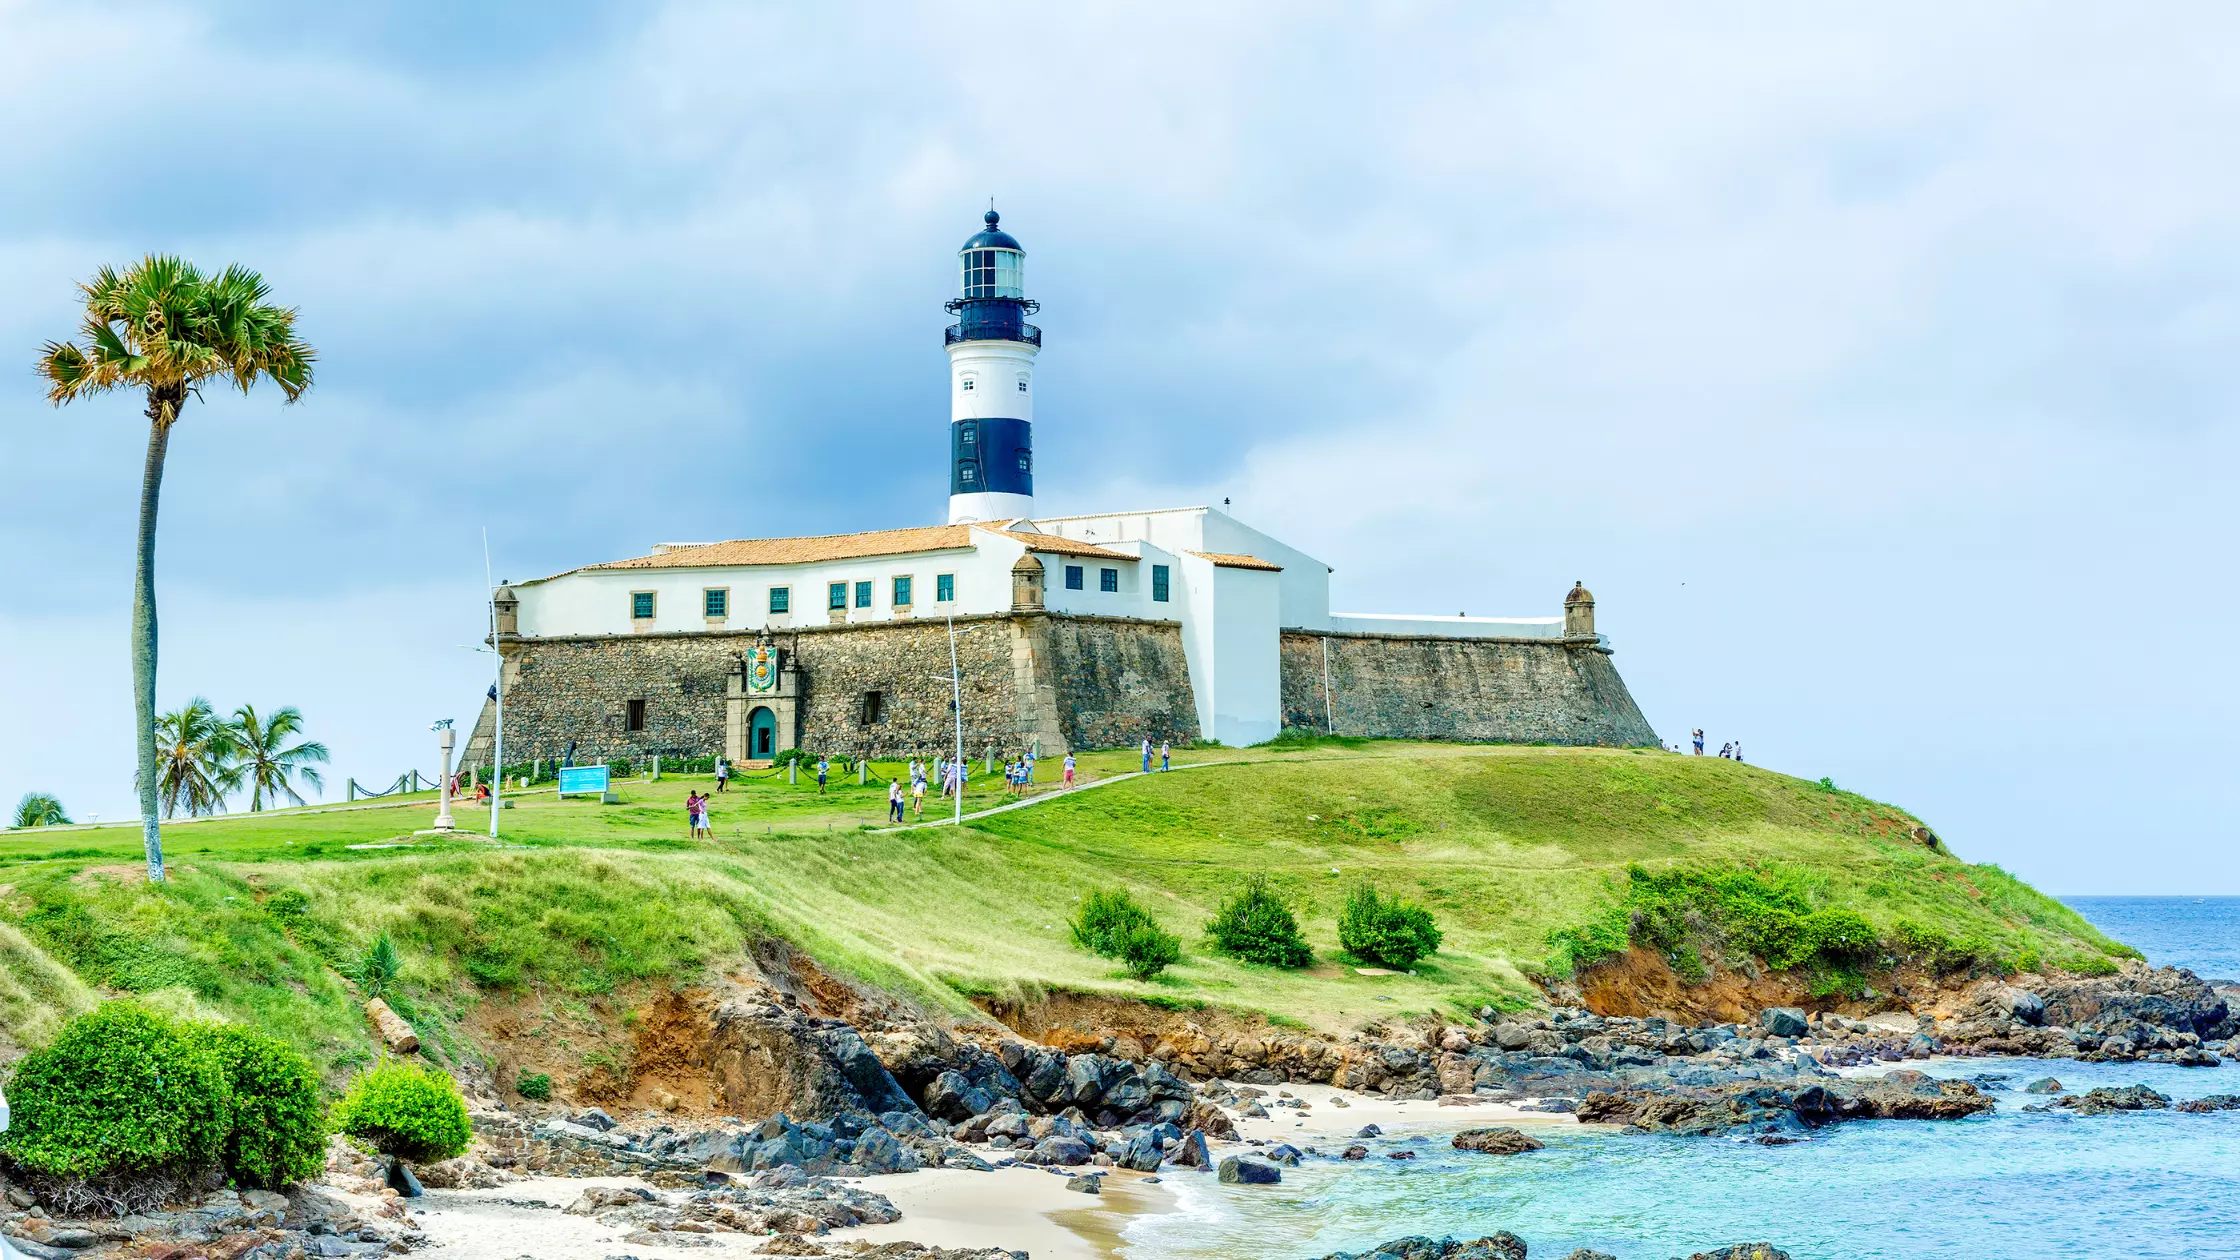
(123, 1093)
(1389, 931)
(1256, 924)
(406, 1111)
(1764, 911)
(278, 1133)
(1114, 925)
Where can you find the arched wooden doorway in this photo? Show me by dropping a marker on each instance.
(762, 735)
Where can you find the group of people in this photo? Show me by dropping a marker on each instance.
(1732, 750)
(1165, 752)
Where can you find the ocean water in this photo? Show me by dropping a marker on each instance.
(2007, 1184)
(2199, 933)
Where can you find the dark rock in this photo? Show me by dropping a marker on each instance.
(1284, 1153)
(1783, 1107)
(1190, 1151)
(1502, 1245)
(1584, 1254)
(2043, 1085)
(1253, 1111)
(2214, 1102)
(1241, 1170)
(877, 1152)
(2194, 1056)
(1743, 1251)
(1370, 1130)
(1496, 1141)
(38, 1251)
(2128, 1098)
(401, 1180)
(1784, 1021)
(1141, 1155)
(1085, 1184)
(953, 1097)
(1062, 1150)
(1355, 1151)
(1400, 1155)
(595, 1119)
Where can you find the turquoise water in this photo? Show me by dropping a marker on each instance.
(2007, 1184)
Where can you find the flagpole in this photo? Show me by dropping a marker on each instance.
(498, 735)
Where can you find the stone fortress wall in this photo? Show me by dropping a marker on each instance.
(1511, 691)
(1056, 681)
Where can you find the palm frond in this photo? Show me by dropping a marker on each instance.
(40, 809)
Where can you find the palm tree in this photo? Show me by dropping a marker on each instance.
(267, 761)
(40, 809)
(197, 766)
(164, 327)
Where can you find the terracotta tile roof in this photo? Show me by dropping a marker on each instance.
(1056, 545)
(1230, 560)
(866, 545)
(744, 551)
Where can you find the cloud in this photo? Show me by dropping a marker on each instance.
(1852, 315)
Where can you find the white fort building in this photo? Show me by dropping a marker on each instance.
(1171, 623)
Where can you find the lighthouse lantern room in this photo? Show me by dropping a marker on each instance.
(991, 382)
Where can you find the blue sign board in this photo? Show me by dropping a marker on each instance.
(583, 780)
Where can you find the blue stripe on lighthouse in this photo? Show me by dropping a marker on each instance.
(991, 455)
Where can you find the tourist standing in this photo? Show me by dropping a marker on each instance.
(692, 813)
(1738, 750)
(723, 774)
(894, 800)
(1147, 754)
(1699, 741)
(918, 797)
(1069, 769)
(824, 768)
(1027, 765)
(1164, 750)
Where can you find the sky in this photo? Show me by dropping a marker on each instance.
(1874, 366)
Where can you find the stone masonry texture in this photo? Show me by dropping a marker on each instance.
(1076, 682)
(1516, 691)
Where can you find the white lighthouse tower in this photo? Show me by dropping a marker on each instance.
(991, 382)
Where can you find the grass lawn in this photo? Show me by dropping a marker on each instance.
(267, 913)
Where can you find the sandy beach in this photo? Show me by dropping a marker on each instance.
(1022, 1209)
(1323, 1121)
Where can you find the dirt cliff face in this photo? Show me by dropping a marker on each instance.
(1641, 983)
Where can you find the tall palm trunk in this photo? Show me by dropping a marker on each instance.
(163, 409)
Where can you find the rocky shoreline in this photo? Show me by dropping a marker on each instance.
(898, 1095)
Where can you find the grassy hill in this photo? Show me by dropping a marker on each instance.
(1530, 857)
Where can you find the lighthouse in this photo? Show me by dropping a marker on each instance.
(991, 381)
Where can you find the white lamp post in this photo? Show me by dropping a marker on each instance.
(444, 738)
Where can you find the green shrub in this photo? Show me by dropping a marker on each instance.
(1102, 918)
(1389, 931)
(1256, 925)
(121, 1091)
(1114, 925)
(1838, 937)
(1146, 949)
(406, 1111)
(377, 972)
(279, 1129)
(534, 1086)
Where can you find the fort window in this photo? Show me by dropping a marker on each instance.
(968, 386)
(781, 599)
(715, 602)
(1073, 577)
(641, 605)
(874, 706)
(863, 594)
(945, 588)
(1108, 580)
(836, 596)
(1022, 384)
(633, 715)
(1026, 460)
(966, 473)
(1159, 583)
(902, 592)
